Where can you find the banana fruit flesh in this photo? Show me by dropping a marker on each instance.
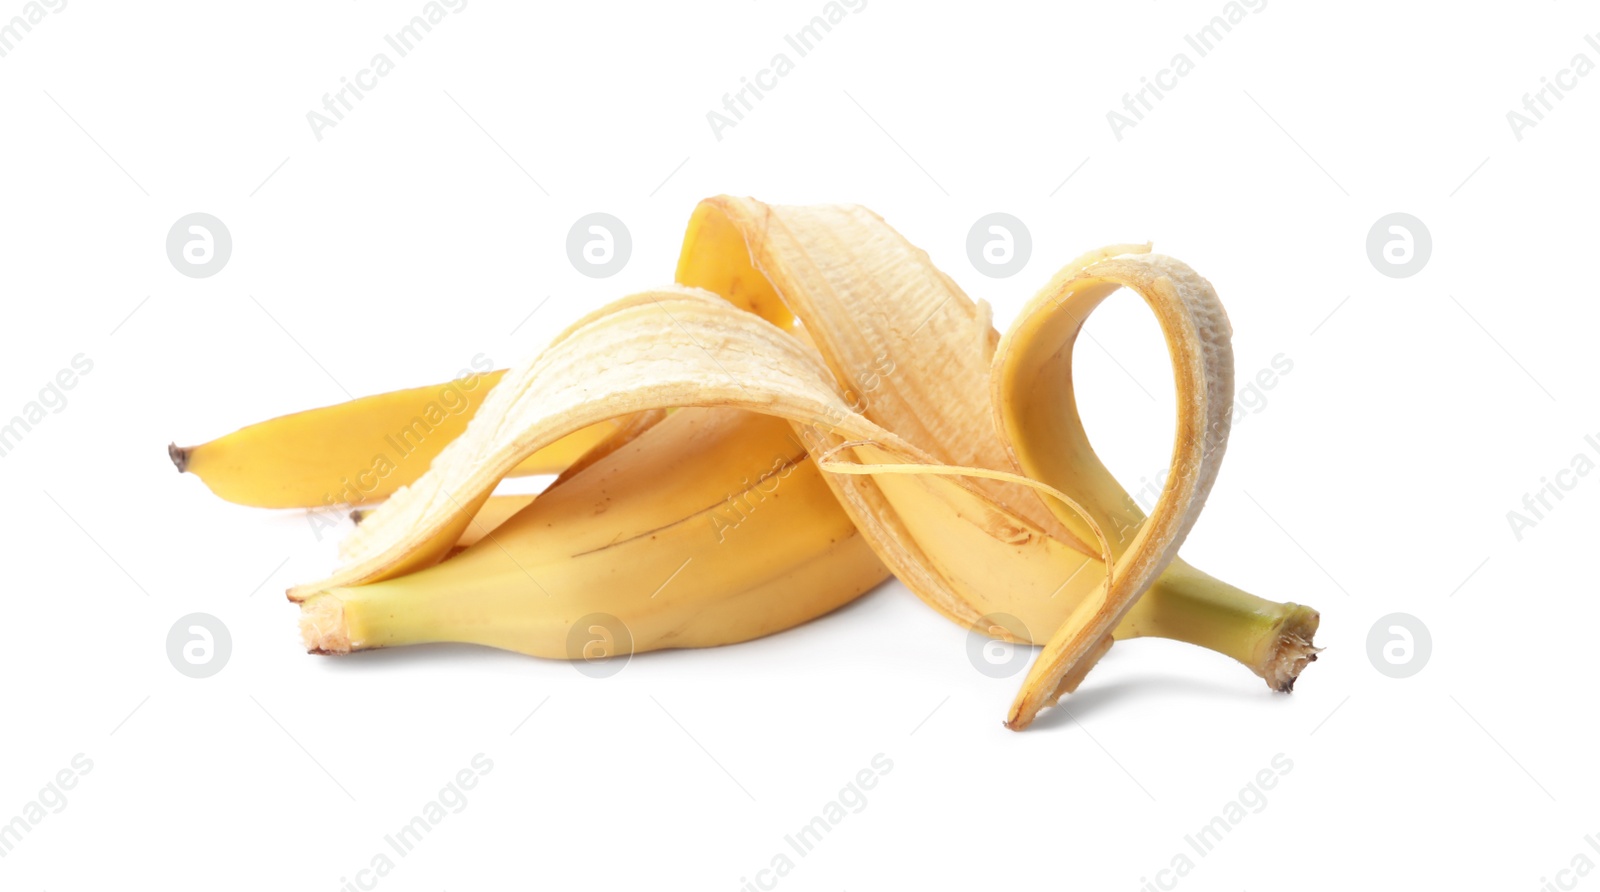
(913, 438)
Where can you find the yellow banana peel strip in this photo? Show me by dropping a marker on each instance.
(655, 350)
(959, 455)
(1046, 435)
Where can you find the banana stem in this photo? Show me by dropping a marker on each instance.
(1186, 604)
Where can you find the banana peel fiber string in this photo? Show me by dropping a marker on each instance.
(815, 377)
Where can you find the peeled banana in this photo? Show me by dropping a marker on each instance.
(814, 406)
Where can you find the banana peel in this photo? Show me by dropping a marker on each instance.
(958, 454)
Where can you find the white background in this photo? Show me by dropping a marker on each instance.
(428, 224)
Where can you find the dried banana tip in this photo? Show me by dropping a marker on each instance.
(1293, 650)
(322, 626)
(179, 456)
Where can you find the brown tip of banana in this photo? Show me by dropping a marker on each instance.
(1291, 658)
(179, 456)
(1293, 651)
(322, 627)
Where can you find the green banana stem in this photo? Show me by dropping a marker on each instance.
(1186, 604)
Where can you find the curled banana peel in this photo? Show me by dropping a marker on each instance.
(858, 289)
(1046, 436)
(957, 456)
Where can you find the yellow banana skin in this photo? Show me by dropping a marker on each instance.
(359, 451)
(715, 527)
(631, 522)
(710, 528)
(728, 249)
